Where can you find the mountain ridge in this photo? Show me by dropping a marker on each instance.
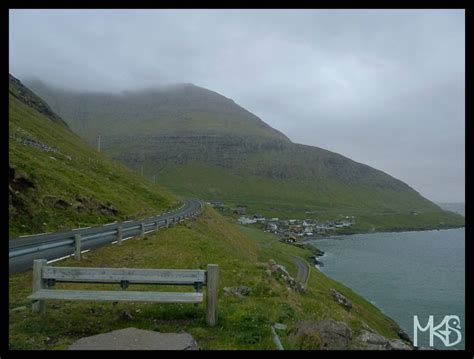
(199, 143)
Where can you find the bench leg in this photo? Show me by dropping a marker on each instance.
(38, 264)
(212, 285)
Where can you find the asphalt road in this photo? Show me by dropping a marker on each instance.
(301, 264)
(303, 269)
(23, 250)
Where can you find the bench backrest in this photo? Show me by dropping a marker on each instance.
(44, 275)
(117, 275)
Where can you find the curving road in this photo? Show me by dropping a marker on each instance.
(23, 250)
(303, 268)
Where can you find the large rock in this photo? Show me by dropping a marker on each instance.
(324, 334)
(372, 341)
(404, 335)
(318, 252)
(19, 180)
(281, 271)
(398, 344)
(342, 300)
(316, 261)
(136, 339)
(237, 291)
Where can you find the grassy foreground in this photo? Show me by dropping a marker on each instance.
(243, 323)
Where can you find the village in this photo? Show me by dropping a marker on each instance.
(288, 230)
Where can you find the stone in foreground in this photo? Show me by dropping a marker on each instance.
(322, 335)
(136, 339)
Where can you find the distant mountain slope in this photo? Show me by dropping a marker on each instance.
(456, 207)
(29, 98)
(56, 180)
(183, 108)
(200, 143)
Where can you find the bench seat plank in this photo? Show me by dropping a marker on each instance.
(112, 296)
(133, 276)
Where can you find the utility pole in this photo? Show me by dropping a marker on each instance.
(98, 144)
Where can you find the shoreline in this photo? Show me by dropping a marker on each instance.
(316, 237)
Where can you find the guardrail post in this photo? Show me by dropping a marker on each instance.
(142, 230)
(167, 223)
(38, 284)
(157, 227)
(77, 245)
(212, 286)
(119, 234)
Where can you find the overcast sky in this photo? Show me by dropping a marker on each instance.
(382, 87)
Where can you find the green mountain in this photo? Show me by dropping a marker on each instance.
(57, 181)
(199, 143)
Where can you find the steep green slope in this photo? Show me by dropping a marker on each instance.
(243, 323)
(183, 108)
(57, 181)
(199, 143)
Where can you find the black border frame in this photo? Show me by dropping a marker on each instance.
(354, 4)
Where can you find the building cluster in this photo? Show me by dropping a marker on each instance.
(292, 229)
(289, 230)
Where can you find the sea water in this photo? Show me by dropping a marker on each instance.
(404, 274)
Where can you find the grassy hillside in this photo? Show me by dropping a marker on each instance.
(57, 181)
(243, 323)
(386, 210)
(197, 142)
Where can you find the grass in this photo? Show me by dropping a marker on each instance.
(243, 323)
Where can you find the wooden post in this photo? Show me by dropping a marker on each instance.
(142, 230)
(212, 286)
(119, 234)
(77, 243)
(38, 284)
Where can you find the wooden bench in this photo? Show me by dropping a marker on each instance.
(45, 277)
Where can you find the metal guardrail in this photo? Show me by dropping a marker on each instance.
(23, 250)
